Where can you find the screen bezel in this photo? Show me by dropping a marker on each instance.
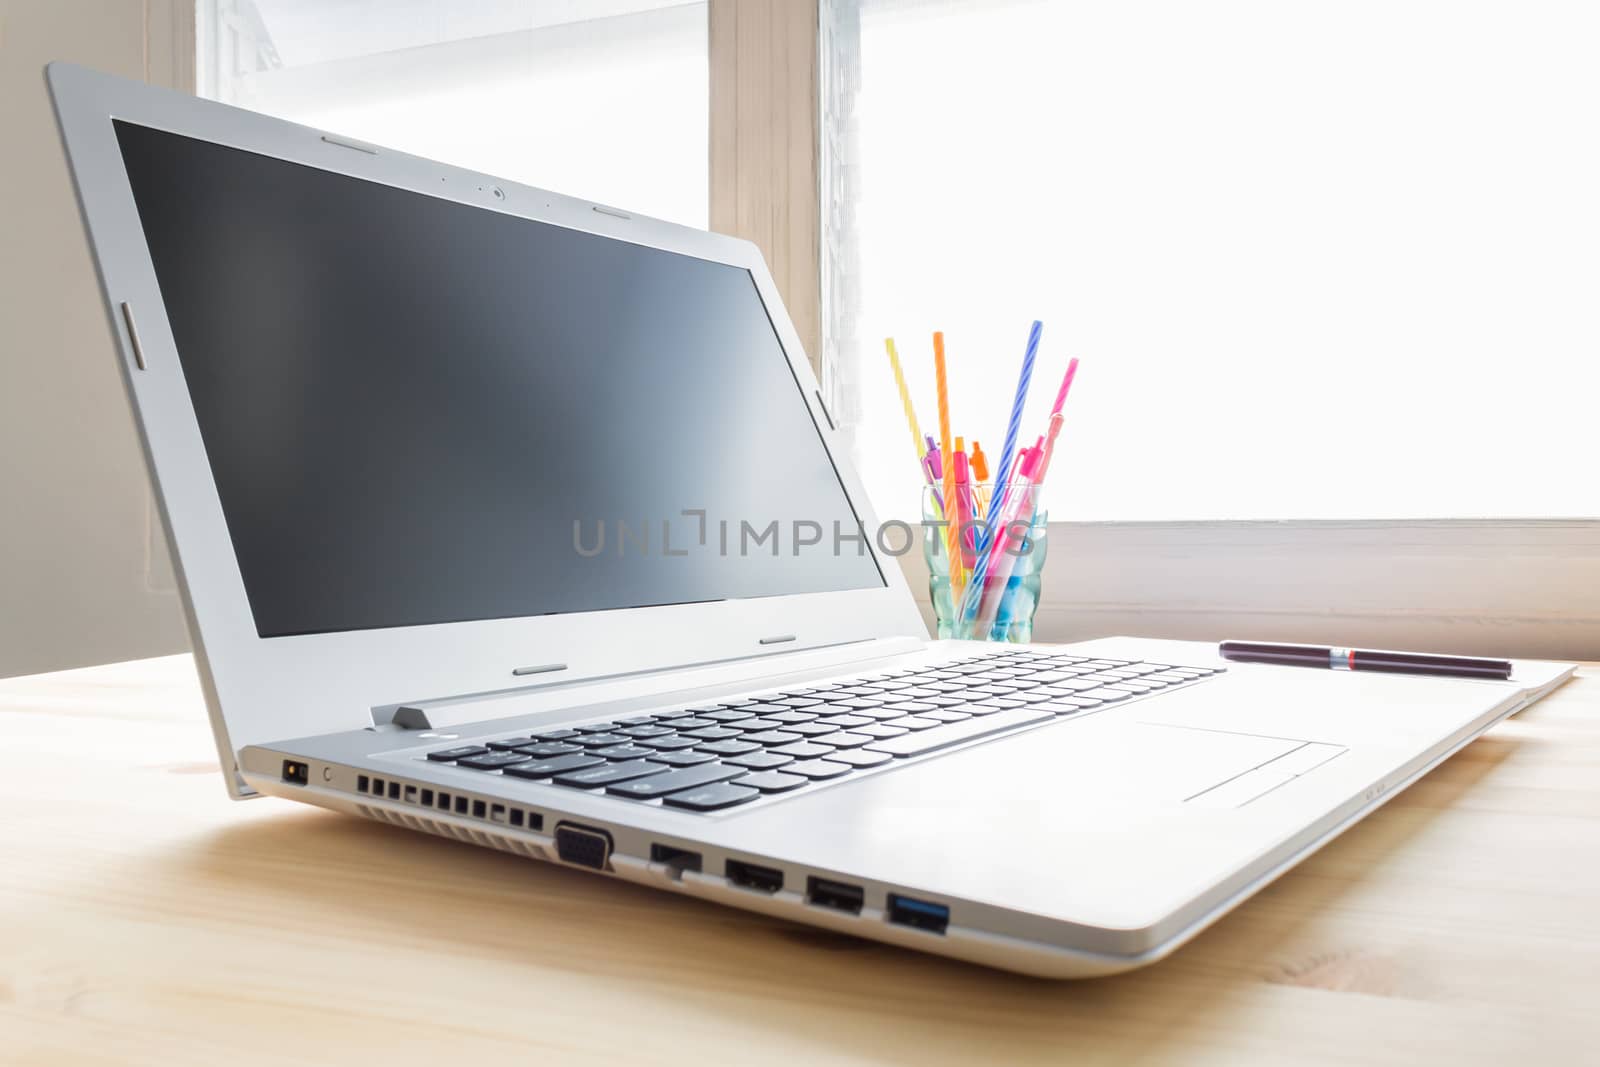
(265, 689)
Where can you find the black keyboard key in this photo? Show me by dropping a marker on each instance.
(509, 743)
(772, 737)
(607, 774)
(757, 723)
(845, 721)
(681, 759)
(670, 715)
(761, 761)
(912, 722)
(803, 750)
(645, 731)
(555, 735)
(881, 714)
(675, 743)
(636, 720)
(712, 797)
(492, 761)
(818, 769)
(601, 740)
(915, 744)
(857, 702)
(1069, 705)
(765, 707)
(1073, 685)
(459, 752)
(596, 728)
(809, 729)
(712, 733)
(772, 781)
(798, 701)
(860, 757)
(675, 781)
(549, 749)
(692, 722)
(625, 752)
(727, 716)
(1133, 670)
(738, 747)
(793, 716)
(549, 767)
(845, 739)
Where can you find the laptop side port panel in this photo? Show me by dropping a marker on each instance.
(296, 772)
(754, 876)
(922, 914)
(583, 846)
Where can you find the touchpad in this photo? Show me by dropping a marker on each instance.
(1190, 762)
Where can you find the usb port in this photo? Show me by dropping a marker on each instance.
(752, 876)
(677, 860)
(840, 896)
(924, 915)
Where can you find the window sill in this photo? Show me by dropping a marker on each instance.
(1521, 587)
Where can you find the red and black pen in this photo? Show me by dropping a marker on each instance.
(1362, 659)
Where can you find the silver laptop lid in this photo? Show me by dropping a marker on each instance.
(420, 432)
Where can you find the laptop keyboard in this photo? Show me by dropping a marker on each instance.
(715, 756)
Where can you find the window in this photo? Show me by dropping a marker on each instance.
(605, 100)
(1321, 261)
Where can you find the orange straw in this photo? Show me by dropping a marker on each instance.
(946, 456)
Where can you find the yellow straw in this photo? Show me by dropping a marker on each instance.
(905, 400)
(947, 458)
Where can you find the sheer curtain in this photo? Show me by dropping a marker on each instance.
(1319, 260)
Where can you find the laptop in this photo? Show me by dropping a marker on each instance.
(519, 519)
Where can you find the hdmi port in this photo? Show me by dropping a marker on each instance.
(754, 876)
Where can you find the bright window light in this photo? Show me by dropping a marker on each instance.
(1329, 261)
(605, 100)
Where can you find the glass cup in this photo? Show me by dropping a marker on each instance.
(1002, 606)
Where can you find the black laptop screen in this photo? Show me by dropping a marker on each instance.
(418, 411)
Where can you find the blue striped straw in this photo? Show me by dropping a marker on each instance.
(1015, 425)
(974, 588)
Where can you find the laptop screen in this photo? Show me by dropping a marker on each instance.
(418, 411)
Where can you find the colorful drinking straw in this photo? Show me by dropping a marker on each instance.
(947, 450)
(905, 402)
(1056, 417)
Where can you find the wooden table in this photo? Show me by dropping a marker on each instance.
(146, 918)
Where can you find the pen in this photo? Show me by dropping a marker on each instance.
(964, 530)
(1362, 659)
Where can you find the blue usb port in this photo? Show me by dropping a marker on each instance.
(924, 915)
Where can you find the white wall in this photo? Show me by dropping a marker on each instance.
(84, 572)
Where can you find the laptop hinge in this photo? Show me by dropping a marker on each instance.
(448, 712)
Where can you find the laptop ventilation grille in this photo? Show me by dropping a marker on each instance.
(459, 833)
(490, 811)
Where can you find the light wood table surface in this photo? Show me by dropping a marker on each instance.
(146, 918)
